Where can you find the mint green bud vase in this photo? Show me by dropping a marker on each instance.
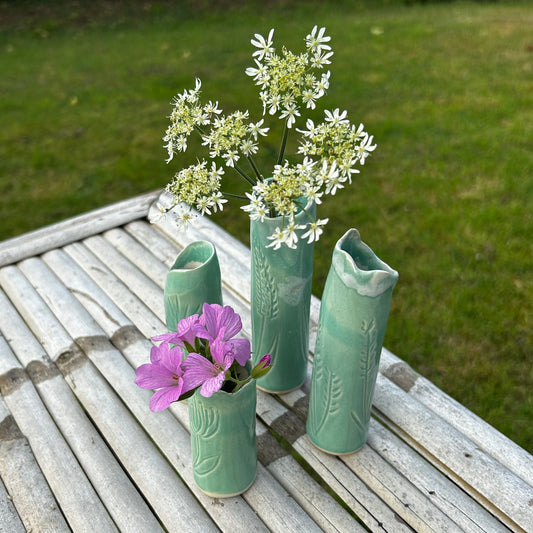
(280, 303)
(193, 279)
(353, 319)
(223, 441)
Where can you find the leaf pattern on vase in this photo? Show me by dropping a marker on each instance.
(265, 290)
(205, 423)
(369, 365)
(326, 396)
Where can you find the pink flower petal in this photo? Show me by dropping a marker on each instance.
(161, 399)
(241, 350)
(212, 385)
(197, 369)
(231, 321)
(154, 376)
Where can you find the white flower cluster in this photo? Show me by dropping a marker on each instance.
(287, 81)
(331, 150)
(196, 187)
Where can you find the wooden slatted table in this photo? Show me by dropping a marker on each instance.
(80, 449)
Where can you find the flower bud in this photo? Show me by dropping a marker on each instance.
(262, 367)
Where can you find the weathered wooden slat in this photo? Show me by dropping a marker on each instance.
(507, 452)
(117, 291)
(138, 254)
(106, 475)
(159, 483)
(74, 493)
(73, 229)
(9, 519)
(442, 492)
(25, 483)
(326, 512)
(159, 244)
(368, 506)
(455, 503)
(505, 495)
(141, 285)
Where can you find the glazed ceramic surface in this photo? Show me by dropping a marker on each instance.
(280, 302)
(353, 319)
(223, 441)
(193, 279)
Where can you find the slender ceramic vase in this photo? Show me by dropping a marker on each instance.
(353, 318)
(193, 279)
(223, 441)
(280, 302)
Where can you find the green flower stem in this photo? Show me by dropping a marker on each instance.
(254, 167)
(200, 130)
(231, 195)
(283, 142)
(238, 383)
(244, 175)
(309, 216)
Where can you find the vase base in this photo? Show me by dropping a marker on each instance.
(284, 391)
(329, 452)
(227, 495)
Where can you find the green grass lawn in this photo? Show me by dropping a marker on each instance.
(446, 199)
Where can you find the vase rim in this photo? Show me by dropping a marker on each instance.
(183, 259)
(370, 281)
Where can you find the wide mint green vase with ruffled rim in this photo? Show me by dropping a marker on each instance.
(193, 279)
(353, 318)
(281, 284)
(223, 441)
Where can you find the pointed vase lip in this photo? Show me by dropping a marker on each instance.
(194, 255)
(360, 268)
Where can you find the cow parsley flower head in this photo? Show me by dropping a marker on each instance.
(332, 151)
(203, 353)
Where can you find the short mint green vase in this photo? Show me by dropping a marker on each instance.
(223, 441)
(280, 303)
(353, 319)
(193, 279)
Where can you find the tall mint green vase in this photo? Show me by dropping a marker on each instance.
(223, 441)
(193, 279)
(280, 303)
(353, 318)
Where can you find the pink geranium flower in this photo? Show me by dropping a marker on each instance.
(186, 332)
(164, 372)
(198, 370)
(215, 318)
(201, 354)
